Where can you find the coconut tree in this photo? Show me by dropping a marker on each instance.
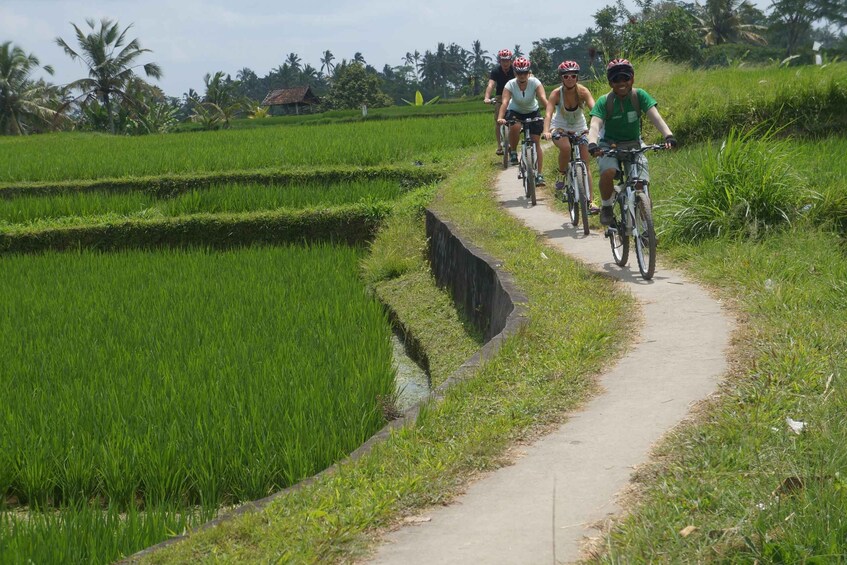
(111, 62)
(326, 63)
(293, 60)
(724, 21)
(23, 101)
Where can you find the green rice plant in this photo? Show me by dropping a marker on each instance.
(83, 533)
(182, 378)
(64, 156)
(746, 188)
(237, 197)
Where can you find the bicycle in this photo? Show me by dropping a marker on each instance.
(633, 212)
(504, 134)
(576, 192)
(528, 161)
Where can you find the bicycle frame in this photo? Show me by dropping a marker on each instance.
(576, 192)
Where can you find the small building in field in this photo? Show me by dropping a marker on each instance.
(292, 100)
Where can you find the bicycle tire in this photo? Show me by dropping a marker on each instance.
(573, 207)
(582, 190)
(620, 239)
(645, 241)
(530, 175)
(504, 143)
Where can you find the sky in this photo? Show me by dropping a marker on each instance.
(189, 38)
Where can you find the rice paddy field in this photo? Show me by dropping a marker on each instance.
(79, 207)
(65, 156)
(158, 386)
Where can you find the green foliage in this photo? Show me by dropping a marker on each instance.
(419, 100)
(353, 86)
(542, 65)
(746, 189)
(670, 35)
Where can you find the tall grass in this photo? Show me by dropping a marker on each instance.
(87, 156)
(159, 380)
(746, 188)
(236, 197)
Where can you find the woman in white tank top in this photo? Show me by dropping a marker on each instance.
(565, 113)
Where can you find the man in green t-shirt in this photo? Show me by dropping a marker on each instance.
(622, 128)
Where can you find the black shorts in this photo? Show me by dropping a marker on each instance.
(535, 128)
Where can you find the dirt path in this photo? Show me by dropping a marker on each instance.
(540, 509)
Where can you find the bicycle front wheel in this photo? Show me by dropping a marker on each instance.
(645, 237)
(530, 174)
(573, 200)
(504, 143)
(619, 238)
(581, 188)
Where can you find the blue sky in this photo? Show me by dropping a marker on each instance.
(189, 38)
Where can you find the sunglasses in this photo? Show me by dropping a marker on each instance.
(570, 75)
(621, 78)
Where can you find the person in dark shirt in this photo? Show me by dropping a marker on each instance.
(500, 75)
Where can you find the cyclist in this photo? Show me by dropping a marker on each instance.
(622, 127)
(565, 115)
(521, 96)
(498, 78)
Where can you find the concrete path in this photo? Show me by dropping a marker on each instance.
(539, 509)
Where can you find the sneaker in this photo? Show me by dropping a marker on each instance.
(539, 180)
(513, 157)
(500, 150)
(560, 181)
(607, 215)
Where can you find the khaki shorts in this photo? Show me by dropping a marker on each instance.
(605, 163)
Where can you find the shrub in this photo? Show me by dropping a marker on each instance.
(744, 189)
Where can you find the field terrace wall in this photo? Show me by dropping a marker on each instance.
(485, 294)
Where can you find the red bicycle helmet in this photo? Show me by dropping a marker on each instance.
(521, 65)
(619, 67)
(504, 55)
(568, 67)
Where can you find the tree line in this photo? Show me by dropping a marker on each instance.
(115, 97)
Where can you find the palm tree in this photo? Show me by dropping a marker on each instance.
(326, 63)
(479, 63)
(359, 58)
(293, 61)
(111, 63)
(723, 21)
(22, 100)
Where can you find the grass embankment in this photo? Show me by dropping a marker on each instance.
(754, 489)
(537, 375)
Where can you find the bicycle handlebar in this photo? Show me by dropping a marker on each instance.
(525, 120)
(615, 152)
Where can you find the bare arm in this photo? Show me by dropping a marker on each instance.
(504, 104)
(586, 95)
(488, 89)
(548, 116)
(541, 95)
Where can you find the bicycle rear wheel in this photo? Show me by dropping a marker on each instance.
(645, 237)
(619, 238)
(581, 188)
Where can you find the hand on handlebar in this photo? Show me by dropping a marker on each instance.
(546, 135)
(670, 142)
(501, 121)
(595, 150)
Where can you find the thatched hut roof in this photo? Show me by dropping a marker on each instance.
(284, 96)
